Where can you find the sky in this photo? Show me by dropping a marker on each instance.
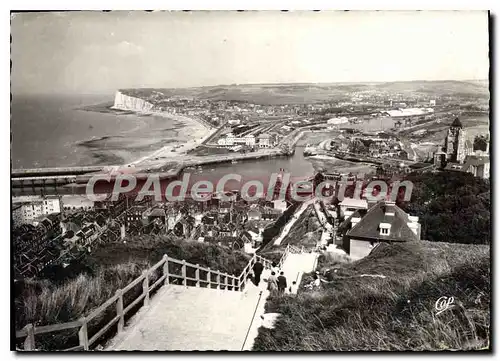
(99, 52)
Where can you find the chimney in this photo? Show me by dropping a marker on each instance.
(370, 203)
(354, 221)
(390, 208)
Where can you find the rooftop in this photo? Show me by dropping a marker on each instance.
(368, 226)
(457, 123)
(354, 203)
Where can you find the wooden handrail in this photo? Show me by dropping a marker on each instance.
(235, 283)
(224, 281)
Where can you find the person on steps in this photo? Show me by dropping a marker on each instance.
(258, 267)
(272, 283)
(281, 283)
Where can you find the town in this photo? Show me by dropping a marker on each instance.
(251, 181)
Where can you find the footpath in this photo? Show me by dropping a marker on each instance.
(193, 318)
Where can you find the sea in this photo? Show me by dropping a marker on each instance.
(53, 131)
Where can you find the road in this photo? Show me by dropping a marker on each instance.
(294, 219)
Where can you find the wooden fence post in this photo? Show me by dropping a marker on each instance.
(119, 311)
(183, 270)
(197, 275)
(209, 279)
(29, 342)
(83, 335)
(218, 280)
(145, 287)
(165, 270)
(232, 283)
(227, 282)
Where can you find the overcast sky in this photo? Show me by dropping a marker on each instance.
(97, 52)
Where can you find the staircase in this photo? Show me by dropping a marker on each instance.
(207, 311)
(190, 318)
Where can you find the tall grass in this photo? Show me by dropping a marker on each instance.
(113, 266)
(392, 313)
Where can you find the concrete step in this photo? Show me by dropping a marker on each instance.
(190, 318)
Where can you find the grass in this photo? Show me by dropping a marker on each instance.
(355, 312)
(110, 267)
(306, 231)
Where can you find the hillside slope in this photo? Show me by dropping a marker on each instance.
(355, 312)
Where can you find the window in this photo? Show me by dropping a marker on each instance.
(384, 231)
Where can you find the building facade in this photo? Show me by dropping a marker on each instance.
(454, 146)
(26, 212)
(382, 222)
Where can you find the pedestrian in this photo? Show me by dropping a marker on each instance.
(293, 288)
(281, 283)
(272, 283)
(258, 267)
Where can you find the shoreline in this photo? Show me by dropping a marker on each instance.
(198, 132)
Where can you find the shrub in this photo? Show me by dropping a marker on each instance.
(358, 312)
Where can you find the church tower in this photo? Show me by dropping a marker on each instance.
(454, 146)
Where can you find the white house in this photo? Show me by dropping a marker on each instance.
(337, 121)
(230, 140)
(280, 205)
(33, 209)
(264, 141)
(350, 205)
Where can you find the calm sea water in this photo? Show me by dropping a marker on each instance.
(50, 131)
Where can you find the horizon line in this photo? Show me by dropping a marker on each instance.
(251, 84)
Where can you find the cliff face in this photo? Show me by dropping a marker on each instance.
(126, 102)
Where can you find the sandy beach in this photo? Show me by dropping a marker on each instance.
(188, 137)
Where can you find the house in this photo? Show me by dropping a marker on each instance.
(156, 215)
(233, 243)
(270, 213)
(264, 141)
(382, 222)
(34, 208)
(350, 205)
(280, 205)
(337, 121)
(254, 214)
(72, 203)
(479, 166)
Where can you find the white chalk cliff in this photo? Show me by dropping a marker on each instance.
(126, 102)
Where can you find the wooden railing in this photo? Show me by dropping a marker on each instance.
(203, 277)
(190, 275)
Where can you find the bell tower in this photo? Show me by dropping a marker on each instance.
(454, 146)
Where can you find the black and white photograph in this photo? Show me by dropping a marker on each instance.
(271, 180)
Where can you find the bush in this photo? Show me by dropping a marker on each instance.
(358, 312)
(68, 296)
